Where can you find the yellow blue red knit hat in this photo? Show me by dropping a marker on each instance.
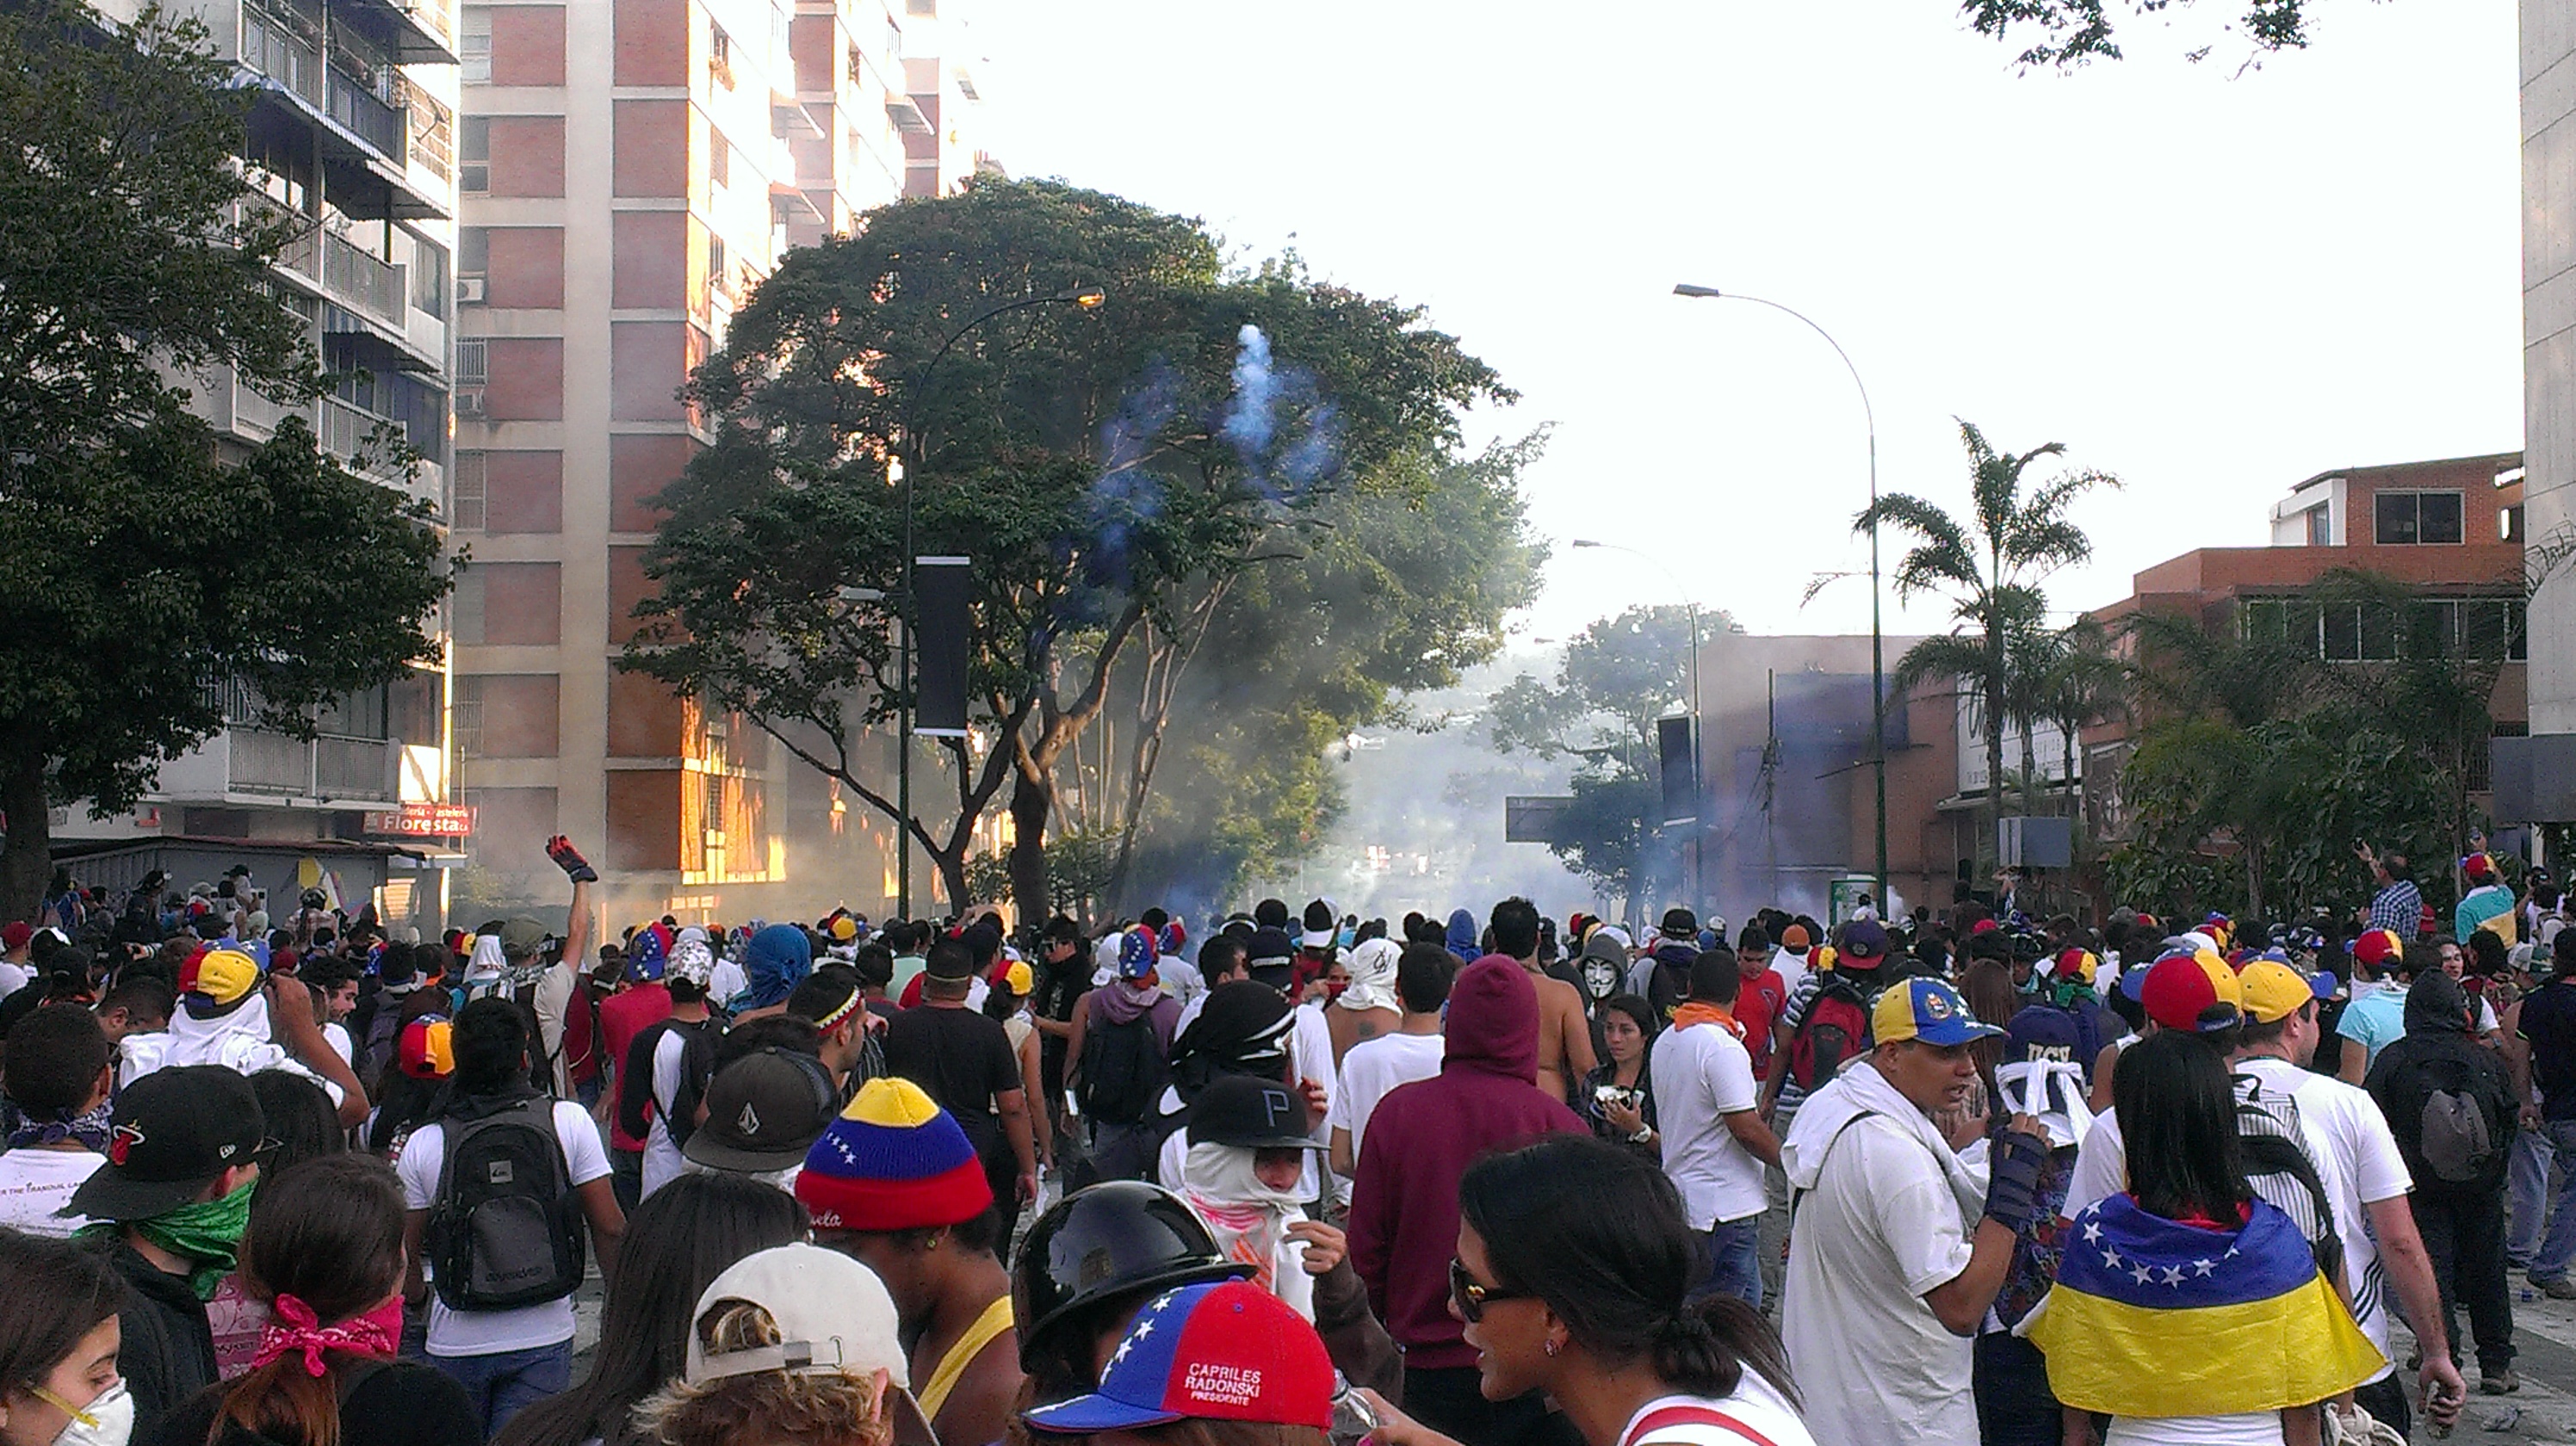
(218, 978)
(894, 1160)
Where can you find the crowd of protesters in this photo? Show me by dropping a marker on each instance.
(1967, 1176)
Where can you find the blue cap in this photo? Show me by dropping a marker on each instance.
(1137, 952)
(1928, 1010)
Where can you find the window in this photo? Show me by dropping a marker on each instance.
(465, 607)
(473, 363)
(465, 724)
(474, 45)
(473, 259)
(720, 55)
(717, 279)
(474, 155)
(2409, 518)
(467, 489)
(2509, 523)
(2320, 527)
(719, 157)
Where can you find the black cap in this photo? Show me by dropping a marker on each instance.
(1250, 1113)
(1270, 948)
(1120, 1238)
(763, 1111)
(1680, 923)
(172, 1132)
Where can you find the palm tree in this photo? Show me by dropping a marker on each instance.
(1991, 568)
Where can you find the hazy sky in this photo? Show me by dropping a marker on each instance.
(2213, 284)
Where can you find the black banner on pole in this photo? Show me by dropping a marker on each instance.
(942, 588)
(1680, 769)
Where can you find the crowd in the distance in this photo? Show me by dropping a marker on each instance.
(1973, 1176)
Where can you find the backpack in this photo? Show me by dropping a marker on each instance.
(1834, 1028)
(2277, 1165)
(504, 1230)
(2456, 1143)
(1123, 1071)
(636, 1104)
(1668, 985)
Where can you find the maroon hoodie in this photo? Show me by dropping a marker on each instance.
(1422, 1138)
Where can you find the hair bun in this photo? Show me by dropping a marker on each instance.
(1687, 1327)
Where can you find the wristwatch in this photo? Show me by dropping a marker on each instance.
(1644, 1134)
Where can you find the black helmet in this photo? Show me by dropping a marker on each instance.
(1111, 1239)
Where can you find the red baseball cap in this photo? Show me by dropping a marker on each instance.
(2377, 946)
(2194, 992)
(16, 933)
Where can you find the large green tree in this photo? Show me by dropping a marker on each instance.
(1617, 677)
(2068, 33)
(1106, 470)
(1990, 567)
(136, 570)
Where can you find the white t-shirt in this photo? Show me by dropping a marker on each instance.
(1793, 971)
(2358, 1159)
(13, 977)
(1882, 1227)
(1703, 1074)
(2258, 1428)
(490, 1332)
(1371, 1069)
(1755, 1403)
(662, 1160)
(338, 1037)
(36, 1182)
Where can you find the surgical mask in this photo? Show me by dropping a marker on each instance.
(108, 1420)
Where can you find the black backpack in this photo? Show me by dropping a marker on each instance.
(504, 1231)
(2277, 1165)
(635, 1102)
(1123, 1071)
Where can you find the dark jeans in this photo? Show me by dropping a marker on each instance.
(1447, 1400)
(507, 1382)
(2014, 1404)
(2464, 1233)
(2385, 1400)
(1730, 1261)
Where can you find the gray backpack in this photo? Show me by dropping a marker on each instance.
(2456, 1142)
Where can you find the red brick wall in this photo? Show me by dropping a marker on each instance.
(639, 467)
(652, 42)
(522, 602)
(527, 374)
(647, 361)
(643, 717)
(527, 44)
(644, 820)
(526, 265)
(652, 148)
(651, 259)
(627, 586)
(523, 492)
(522, 715)
(527, 155)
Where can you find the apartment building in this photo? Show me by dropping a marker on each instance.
(629, 170)
(353, 129)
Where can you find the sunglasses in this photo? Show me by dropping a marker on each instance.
(1472, 1297)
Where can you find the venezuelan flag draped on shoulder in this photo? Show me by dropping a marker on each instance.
(2152, 1318)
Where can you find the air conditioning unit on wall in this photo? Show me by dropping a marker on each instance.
(469, 406)
(469, 290)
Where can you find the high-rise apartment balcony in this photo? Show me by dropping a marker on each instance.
(253, 762)
(349, 97)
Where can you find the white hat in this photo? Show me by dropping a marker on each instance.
(832, 1314)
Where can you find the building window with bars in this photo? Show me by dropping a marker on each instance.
(473, 362)
(465, 723)
(465, 509)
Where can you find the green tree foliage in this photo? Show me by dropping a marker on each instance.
(1618, 676)
(136, 570)
(1113, 473)
(2069, 33)
(1991, 568)
(2261, 753)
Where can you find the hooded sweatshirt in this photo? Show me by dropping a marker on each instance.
(1404, 1201)
(2439, 1053)
(1461, 937)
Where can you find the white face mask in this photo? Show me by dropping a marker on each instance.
(108, 1420)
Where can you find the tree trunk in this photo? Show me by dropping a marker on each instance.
(1032, 800)
(1994, 768)
(26, 860)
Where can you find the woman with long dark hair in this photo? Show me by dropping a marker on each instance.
(1618, 1097)
(58, 1340)
(2164, 1291)
(324, 1254)
(685, 1236)
(1573, 1256)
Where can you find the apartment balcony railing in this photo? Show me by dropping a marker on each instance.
(353, 102)
(376, 287)
(326, 767)
(347, 430)
(285, 48)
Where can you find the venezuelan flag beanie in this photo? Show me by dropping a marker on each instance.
(894, 1160)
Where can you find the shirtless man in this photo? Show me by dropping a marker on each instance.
(1365, 1008)
(1564, 1037)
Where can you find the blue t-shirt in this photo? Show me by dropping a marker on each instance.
(2376, 1016)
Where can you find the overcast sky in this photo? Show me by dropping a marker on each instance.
(2213, 284)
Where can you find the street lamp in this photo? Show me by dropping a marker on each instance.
(1877, 638)
(1697, 802)
(1085, 298)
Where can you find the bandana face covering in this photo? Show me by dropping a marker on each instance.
(206, 1233)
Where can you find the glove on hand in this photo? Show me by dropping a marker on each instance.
(2014, 1159)
(569, 859)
